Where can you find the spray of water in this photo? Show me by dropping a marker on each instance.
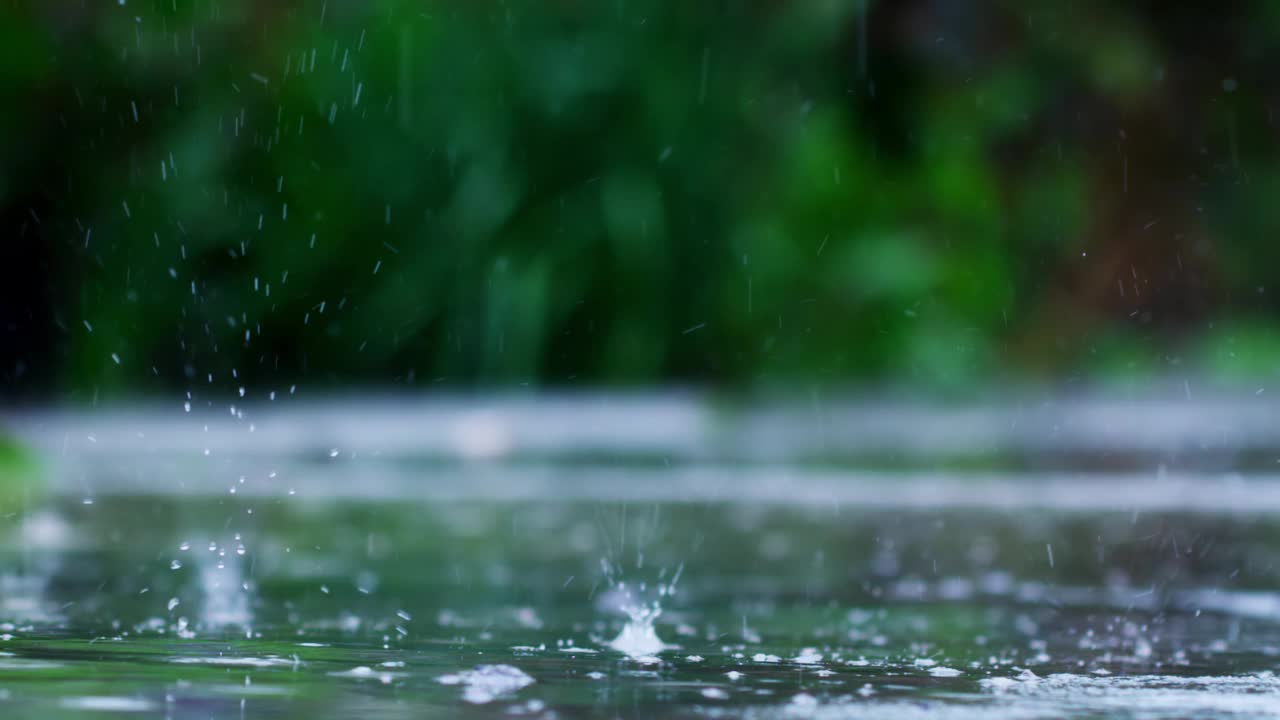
(224, 592)
(642, 606)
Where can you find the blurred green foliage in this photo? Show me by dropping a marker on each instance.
(21, 479)
(340, 191)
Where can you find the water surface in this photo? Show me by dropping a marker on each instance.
(354, 581)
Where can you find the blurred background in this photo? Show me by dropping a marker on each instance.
(729, 194)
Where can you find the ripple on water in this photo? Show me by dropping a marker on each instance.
(1030, 697)
(257, 662)
(15, 663)
(108, 703)
(487, 682)
(365, 672)
(1159, 696)
(1028, 683)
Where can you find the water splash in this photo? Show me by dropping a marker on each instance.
(487, 683)
(224, 593)
(638, 637)
(642, 606)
